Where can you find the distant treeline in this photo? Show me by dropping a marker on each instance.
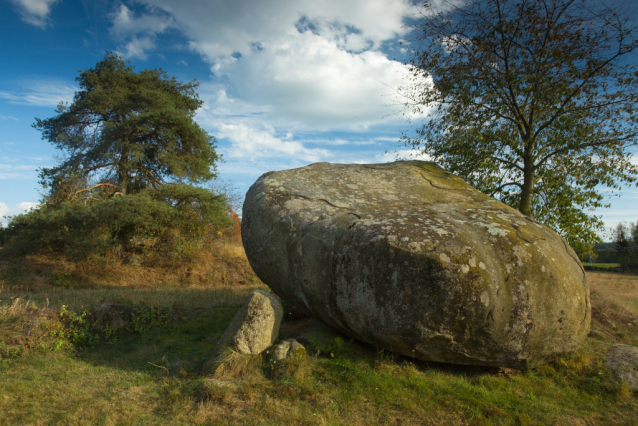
(623, 250)
(603, 253)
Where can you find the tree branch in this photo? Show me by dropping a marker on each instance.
(500, 188)
(93, 187)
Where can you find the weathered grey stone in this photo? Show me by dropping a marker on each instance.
(255, 327)
(288, 349)
(623, 359)
(408, 257)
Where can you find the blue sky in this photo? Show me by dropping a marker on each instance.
(285, 83)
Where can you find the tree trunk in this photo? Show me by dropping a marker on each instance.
(122, 171)
(527, 191)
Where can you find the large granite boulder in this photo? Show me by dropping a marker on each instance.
(408, 257)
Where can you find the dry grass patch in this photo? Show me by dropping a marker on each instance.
(225, 264)
(24, 327)
(232, 365)
(619, 290)
(35, 290)
(614, 300)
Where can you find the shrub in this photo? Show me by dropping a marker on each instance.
(171, 219)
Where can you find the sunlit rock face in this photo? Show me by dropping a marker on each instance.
(408, 257)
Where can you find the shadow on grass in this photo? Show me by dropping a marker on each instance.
(180, 348)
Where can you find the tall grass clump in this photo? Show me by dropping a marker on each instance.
(25, 327)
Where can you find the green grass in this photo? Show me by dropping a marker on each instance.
(157, 376)
(600, 266)
(155, 380)
(604, 265)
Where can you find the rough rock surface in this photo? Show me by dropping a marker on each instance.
(255, 327)
(623, 359)
(408, 257)
(288, 349)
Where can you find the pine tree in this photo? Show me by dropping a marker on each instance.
(127, 131)
(132, 155)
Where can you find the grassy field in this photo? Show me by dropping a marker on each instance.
(603, 265)
(54, 369)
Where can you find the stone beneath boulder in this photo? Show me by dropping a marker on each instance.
(288, 349)
(623, 359)
(309, 331)
(408, 257)
(255, 327)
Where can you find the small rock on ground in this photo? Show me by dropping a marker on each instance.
(623, 359)
(288, 349)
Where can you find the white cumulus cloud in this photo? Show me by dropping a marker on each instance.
(240, 25)
(309, 81)
(315, 64)
(137, 47)
(249, 140)
(15, 210)
(137, 33)
(286, 68)
(35, 12)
